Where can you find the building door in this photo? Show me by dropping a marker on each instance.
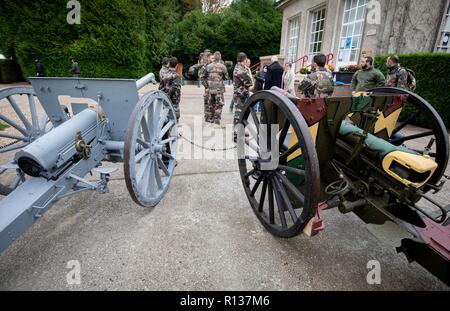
(351, 32)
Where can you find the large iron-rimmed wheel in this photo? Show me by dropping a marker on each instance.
(420, 111)
(283, 197)
(150, 149)
(22, 120)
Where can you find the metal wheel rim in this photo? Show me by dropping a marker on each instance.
(311, 172)
(28, 128)
(150, 149)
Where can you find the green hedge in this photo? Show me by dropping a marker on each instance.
(433, 83)
(116, 38)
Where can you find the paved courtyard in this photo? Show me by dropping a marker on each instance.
(202, 236)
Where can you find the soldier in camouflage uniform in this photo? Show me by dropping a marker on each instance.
(216, 74)
(397, 76)
(242, 82)
(201, 76)
(318, 84)
(164, 69)
(171, 85)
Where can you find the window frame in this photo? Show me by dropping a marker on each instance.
(313, 35)
(289, 38)
(440, 48)
(351, 23)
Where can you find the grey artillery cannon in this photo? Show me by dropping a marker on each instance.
(46, 152)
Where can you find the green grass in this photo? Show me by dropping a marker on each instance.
(3, 126)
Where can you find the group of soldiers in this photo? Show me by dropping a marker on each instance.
(212, 75)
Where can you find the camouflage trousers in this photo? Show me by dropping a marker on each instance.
(238, 106)
(213, 112)
(208, 117)
(175, 96)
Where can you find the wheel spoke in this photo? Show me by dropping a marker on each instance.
(151, 184)
(146, 178)
(142, 169)
(271, 207)
(249, 173)
(13, 147)
(255, 117)
(263, 196)
(163, 167)
(142, 143)
(291, 188)
(157, 175)
(290, 151)
(14, 124)
(168, 140)
(292, 170)
(145, 130)
(156, 115)
(279, 205)
(44, 120)
(34, 116)
(258, 182)
(162, 119)
(411, 137)
(284, 132)
(4, 135)
(166, 128)
(19, 113)
(168, 155)
(285, 199)
(140, 155)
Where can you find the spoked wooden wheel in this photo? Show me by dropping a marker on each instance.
(419, 111)
(150, 149)
(284, 192)
(22, 120)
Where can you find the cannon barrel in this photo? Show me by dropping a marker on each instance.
(145, 80)
(53, 150)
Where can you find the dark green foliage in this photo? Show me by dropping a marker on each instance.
(252, 26)
(432, 73)
(128, 38)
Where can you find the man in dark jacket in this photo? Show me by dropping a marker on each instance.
(39, 68)
(274, 75)
(75, 70)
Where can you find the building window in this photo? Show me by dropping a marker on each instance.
(317, 31)
(443, 43)
(351, 32)
(293, 34)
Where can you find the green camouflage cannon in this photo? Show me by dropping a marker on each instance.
(298, 157)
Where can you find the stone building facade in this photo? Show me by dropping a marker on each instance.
(349, 28)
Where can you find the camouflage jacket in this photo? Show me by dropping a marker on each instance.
(162, 72)
(170, 81)
(397, 77)
(215, 75)
(242, 81)
(201, 76)
(318, 84)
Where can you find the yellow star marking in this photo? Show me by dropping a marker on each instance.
(313, 130)
(388, 123)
